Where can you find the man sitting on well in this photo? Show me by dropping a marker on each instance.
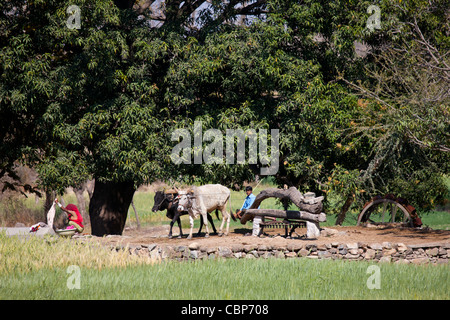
(247, 202)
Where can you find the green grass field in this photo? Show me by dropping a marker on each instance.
(38, 269)
(256, 280)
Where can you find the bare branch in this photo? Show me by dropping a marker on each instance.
(422, 144)
(143, 5)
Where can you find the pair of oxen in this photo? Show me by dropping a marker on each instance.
(196, 201)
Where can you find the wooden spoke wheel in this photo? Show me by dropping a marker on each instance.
(388, 210)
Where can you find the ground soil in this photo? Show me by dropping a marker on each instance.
(367, 235)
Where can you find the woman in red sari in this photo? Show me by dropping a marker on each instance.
(75, 217)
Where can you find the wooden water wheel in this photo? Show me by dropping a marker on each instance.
(378, 209)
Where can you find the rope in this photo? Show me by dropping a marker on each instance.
(258, 183)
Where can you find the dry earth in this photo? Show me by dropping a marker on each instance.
(367, 235)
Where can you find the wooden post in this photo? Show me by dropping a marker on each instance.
(136, 214)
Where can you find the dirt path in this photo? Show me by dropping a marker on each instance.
(158, 235)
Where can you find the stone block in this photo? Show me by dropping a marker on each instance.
(303, 253)
(375, 246)
(432, 252)
(421, 260)
(389, 252)
(352, 245)
(224, 252)
(194, 246)
(370, 254)
(385, 259)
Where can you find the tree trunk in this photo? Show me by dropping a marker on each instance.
(49, 198)
(136, 215)
(313, 205)
(341, 217)
(108, 208)
(81, 202)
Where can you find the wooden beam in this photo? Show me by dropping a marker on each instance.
(313, 205)
(289, 214)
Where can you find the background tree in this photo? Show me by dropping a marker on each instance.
(410, 75)
(27, 81)
(108, 92)
(405, 103)
(318, 153)
(358, 148)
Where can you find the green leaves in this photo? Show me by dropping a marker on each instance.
(102, 101)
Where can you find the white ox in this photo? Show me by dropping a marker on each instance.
(205, 199)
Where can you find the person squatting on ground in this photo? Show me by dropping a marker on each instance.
(75, 217)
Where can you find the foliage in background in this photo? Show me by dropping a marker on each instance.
(33, 273)
(101, 102)
(404, 104)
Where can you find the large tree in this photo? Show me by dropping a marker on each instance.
(102, 101)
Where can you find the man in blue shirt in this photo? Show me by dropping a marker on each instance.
(247, 202)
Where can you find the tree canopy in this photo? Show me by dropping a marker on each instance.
(102, 100)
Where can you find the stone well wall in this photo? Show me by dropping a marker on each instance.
(379, 252)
